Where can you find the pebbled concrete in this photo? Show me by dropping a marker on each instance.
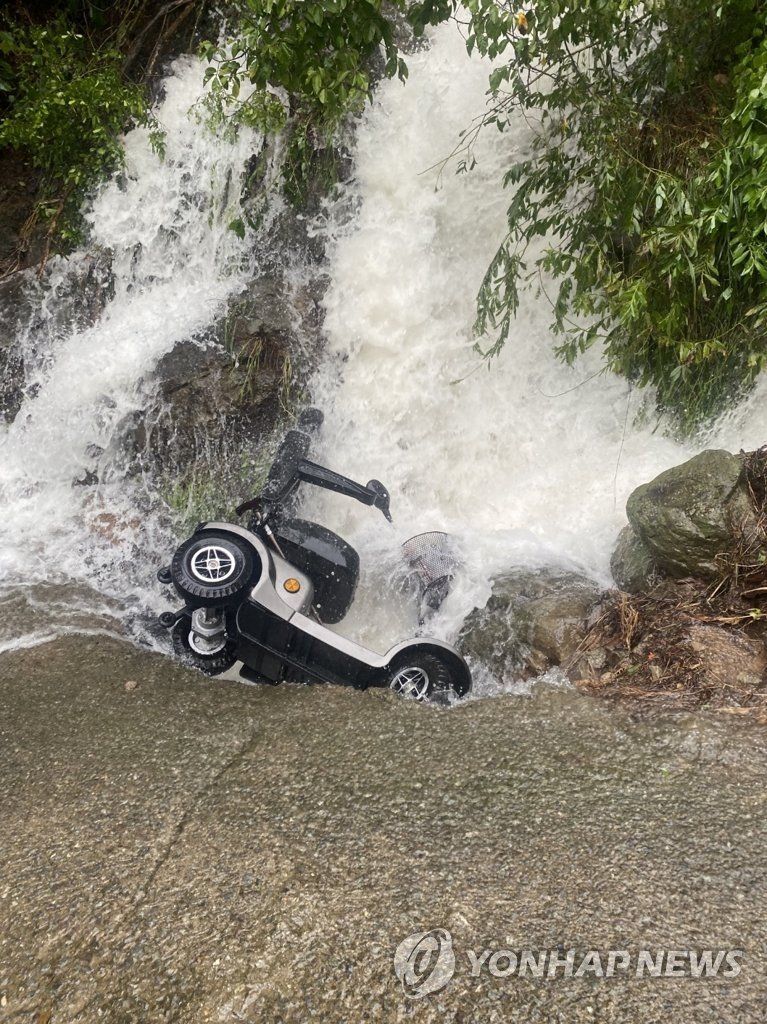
(191, 850)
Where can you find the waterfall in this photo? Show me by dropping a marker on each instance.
(162, 227)
(524, 461)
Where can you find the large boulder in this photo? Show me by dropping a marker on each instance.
(534, 619)
(632, 564)
(687, 520)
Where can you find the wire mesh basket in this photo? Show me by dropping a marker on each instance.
(431, 563)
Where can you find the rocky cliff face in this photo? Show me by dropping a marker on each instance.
(68, 295)
(213, 402)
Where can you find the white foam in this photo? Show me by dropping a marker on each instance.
(524, 460)
(175, 262)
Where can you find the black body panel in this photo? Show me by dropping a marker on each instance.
(258, 578)
(276, 649)
(331, 564)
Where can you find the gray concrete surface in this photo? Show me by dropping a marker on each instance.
(192, 850)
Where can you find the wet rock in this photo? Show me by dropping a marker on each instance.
(534, 619)
(83, 284)
(215, 398)
(11, 381)
(69, 296)
(205, 400)
(264, 309)
(280, 310)
(632, 563)
(14, 313)
(728, 661)
(692, 515)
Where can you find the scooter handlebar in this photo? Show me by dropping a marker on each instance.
(291, 467)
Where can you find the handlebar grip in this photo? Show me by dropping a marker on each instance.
(294, 448)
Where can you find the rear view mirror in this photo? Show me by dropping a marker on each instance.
(382, 497)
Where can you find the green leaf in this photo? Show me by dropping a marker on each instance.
(238, 227)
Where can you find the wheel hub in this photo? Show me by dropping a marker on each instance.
(412, 682)
(212, 564)
(206, 646)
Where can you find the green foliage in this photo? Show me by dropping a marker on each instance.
(302, 62)
(68, 104)
(315, 51)
(7, 75)
(648, 177)
(645, 193)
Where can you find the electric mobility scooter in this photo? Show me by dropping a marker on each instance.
(265, 595)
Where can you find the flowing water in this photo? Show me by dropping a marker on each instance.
(174, 264)
(523, 462)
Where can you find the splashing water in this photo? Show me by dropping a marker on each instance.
(525, 461)
(174, 263)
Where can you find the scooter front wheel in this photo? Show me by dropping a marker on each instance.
(423, 677)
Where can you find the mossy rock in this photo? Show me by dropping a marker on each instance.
(632, 564)
(694, 517)
(534, 619)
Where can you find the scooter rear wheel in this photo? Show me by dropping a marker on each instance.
(210, 664)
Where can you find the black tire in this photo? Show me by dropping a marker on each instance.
(212, 570)
(209, 664)
(423, 677)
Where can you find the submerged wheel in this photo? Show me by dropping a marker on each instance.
(421, 676)
(213, 569)
(209, 656)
